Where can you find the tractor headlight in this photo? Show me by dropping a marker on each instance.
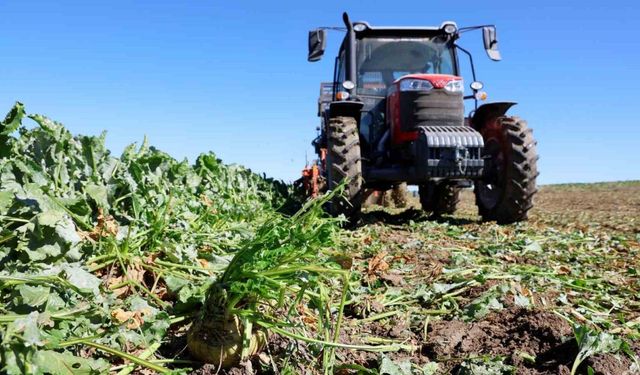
(450, 28)
(455, 86)
(349, 85)
(415, 85)
(476, 85)
(359, 27)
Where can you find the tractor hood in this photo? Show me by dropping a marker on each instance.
(438, 81)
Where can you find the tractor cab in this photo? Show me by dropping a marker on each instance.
(394, 113)
(374, 59)
(381, 61)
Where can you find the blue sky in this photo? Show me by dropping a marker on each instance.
(232, 76)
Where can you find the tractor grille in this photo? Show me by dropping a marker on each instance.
(430, 108)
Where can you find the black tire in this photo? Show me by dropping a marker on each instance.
(505, 194)
(343, 163)
(439, 199)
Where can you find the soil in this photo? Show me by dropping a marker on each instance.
(611, 206)
(508, 333)
(533, 340)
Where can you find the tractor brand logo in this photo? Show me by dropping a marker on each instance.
(439, 83)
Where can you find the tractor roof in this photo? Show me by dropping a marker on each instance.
(363, 30)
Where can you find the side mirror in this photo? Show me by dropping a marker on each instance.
(317, 44)
(491, 42)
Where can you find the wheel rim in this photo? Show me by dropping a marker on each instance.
(491, 187)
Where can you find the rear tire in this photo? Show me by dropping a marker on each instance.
(439, 199)
(343, 163)
(505, 194)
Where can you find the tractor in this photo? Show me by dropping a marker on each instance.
(394, 113)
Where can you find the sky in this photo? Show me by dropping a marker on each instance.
(232, 76)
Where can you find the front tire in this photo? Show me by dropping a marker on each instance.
(439, 199)
(344, 164)
(505, 193)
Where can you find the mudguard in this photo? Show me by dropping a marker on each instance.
(344, 108)
(489, 111)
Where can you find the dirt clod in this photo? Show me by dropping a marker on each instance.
(509, 333)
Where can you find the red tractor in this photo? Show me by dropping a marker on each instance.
(394, 113)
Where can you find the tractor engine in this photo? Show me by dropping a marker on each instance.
(426, 114)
